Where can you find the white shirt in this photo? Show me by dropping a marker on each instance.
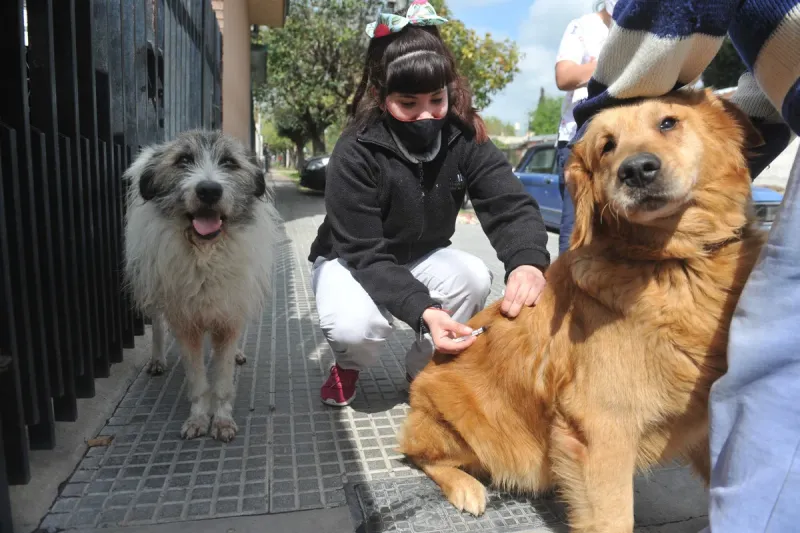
(583, 39)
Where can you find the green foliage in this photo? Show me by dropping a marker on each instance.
(276, 143)
(725, 69)
(545, 118)
(496, 127)
(488, 64)
(314, 62)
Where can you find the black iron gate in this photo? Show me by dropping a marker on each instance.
(85, 84)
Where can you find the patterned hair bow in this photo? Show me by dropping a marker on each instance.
(420, 13)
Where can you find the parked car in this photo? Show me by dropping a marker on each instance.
(537, 172)
(312, 175)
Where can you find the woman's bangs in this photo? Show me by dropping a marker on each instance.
(418, 72)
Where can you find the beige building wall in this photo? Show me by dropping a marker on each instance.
(236, 70)
(235, 18)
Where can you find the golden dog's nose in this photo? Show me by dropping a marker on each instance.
(639, 170)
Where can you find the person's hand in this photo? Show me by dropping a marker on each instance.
(524, 287)
(444, 329)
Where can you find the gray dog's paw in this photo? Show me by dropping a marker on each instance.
(223, 429)
(195, 426)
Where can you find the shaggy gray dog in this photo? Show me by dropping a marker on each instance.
(199, 247)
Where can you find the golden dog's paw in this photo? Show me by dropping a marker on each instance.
(223, 429)
(156, 367)
(468, 495)
(195, 426)
(240, 357)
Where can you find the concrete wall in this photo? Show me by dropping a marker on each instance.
(236, 70)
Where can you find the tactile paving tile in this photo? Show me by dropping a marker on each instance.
(417, 506)
(291, 453)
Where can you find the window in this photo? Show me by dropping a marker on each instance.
(542, 161)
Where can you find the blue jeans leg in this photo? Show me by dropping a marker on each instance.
(567, 208)
(755, 406)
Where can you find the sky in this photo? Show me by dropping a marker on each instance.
(537, 27)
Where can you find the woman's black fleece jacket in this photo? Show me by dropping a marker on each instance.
(383, 211)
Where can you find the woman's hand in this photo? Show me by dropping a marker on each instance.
(524, 287)
(444, 330)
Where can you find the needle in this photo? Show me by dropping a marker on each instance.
(475, 333)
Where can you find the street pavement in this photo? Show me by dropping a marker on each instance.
(298, 465)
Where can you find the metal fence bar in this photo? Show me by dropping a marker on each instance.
(12, 407)
(85, 87)
(5, 499)
(14, 113)
(60, 324)
(65, 36)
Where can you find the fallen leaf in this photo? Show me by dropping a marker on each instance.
(100, 441)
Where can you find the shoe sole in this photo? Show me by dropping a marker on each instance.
(334, 403)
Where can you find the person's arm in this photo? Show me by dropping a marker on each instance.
(652, 48)
(656, 47)
(767, 120)
(509, 216)
(354, 213)
(570, 73)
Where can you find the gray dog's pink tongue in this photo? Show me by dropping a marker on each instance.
(207, 225)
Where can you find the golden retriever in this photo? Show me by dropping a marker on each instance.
(611, 371)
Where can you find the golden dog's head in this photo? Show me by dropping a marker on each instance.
(671, 167)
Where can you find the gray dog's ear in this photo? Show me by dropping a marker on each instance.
(261, 183)
(142, 171)
(259, 178)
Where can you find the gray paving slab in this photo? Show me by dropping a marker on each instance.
(415, 505)
(292, 452)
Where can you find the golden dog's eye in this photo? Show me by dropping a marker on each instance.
(668, 123)
(228, 162)
(609, 146)
(185, 160)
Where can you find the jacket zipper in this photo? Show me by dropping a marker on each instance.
(422, 189)
(421, 176)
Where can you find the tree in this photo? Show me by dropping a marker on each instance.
(545, 118)
(288, 126)
(488, 64)
(314, 62)
(276, 142)
(496, 127)
(725, 69)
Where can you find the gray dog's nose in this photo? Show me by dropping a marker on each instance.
(209, 192)
(639, 170)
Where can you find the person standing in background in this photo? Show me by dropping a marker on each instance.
(265, 153)
(575, 63)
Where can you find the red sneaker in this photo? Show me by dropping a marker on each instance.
(340, 389)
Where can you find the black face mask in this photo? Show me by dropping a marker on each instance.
(417, 135)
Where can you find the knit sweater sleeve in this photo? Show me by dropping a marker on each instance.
(655, 47)
(509, 216)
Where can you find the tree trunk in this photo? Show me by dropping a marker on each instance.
(300, 158)
(318, 144)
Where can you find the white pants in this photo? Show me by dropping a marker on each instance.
(356, 327)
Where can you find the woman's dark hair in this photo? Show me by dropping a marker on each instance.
(415, 60)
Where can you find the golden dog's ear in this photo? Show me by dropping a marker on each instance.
(752, 138)
(578, 179)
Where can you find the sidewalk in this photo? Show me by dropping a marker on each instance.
(297, 465)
